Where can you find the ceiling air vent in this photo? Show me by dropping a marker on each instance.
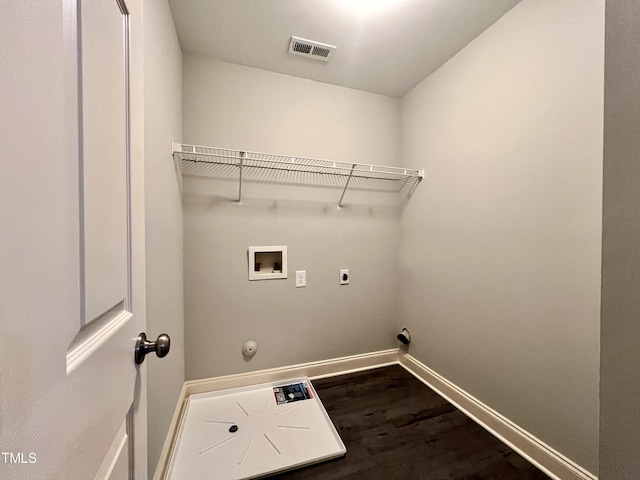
(311, 49)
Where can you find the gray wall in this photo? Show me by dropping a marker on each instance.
(620, 334)
(163, 122)
(238, 107)
(500, 253)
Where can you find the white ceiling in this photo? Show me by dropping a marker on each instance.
(383, 46)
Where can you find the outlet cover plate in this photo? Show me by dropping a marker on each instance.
(344, 276)
(301, 278)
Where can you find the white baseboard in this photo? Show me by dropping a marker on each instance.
(313, 370)
(323, 368)
(537, 452)
(551, 462)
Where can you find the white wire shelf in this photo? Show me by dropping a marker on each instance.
(245, 165)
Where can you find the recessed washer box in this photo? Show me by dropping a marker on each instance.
(267, 262)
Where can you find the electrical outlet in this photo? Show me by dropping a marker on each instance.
(301, 278)
(344, 276)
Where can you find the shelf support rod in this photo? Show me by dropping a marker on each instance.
(240, 179)
(345, 186)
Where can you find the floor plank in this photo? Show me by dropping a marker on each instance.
(395, 427)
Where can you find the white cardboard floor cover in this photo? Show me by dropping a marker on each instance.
(251, 432)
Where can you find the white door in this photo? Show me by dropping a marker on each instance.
(72, 402)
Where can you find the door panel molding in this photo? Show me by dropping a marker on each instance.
(94, 335)
(105, 201)
(116, 462)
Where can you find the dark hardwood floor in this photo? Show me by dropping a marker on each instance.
(395, 427)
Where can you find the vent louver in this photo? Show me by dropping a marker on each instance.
(311, 49)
